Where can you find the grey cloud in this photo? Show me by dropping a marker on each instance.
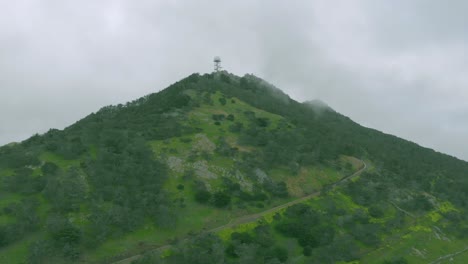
(398, 66)
(412, 24)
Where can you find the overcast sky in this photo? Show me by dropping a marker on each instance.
(398, 66)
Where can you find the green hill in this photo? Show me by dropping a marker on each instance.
(218, 168)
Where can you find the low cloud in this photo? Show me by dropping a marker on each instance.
(401, 72)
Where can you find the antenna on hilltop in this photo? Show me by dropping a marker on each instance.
(217, 64)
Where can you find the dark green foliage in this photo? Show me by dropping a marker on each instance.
(66, 146)
(372, 190)
(39, 251)
(148, 258)
(236, 127)
(225, 78)
(71, 252)
(219, 117)
(26, 221)
(241, 237)
(262, 122)
(418, 203)
(125, 168)
(186, 140)
(49, 168)
(307, 251)
(396, 260)
(17, 156)
(263, 235)
(64, 234)
(278, 253)
(221, 199)
(66, 190)
(222, 101)
(203, 249)
(23, 182)
(124, 175)
(366, 233)
(193, 78)
(319, 239)
(397, 221)
(223, 148)
(302, 222)
(342, 248)
(202, 196)
(376, 210)
(278, 189)
(257, 246)
(65, 238)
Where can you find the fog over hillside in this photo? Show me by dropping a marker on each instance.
(400, 72)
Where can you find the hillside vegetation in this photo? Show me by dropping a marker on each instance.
(144, 182)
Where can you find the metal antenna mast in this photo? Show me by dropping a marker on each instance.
(217, 64)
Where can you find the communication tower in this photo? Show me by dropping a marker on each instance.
(217, 64)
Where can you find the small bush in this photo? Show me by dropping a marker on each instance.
(202, 196)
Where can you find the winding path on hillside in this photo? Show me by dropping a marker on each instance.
(449, 257)
(253, 217)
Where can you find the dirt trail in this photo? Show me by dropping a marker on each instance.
(449, 257)
(250, 218)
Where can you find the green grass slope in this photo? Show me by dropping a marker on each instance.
(217, 152)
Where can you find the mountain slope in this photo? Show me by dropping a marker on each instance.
(212, 148)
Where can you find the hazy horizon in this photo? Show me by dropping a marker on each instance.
(402, 72)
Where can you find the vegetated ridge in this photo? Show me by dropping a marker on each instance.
(215, 148)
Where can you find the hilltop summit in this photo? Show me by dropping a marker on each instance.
(272, 179)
